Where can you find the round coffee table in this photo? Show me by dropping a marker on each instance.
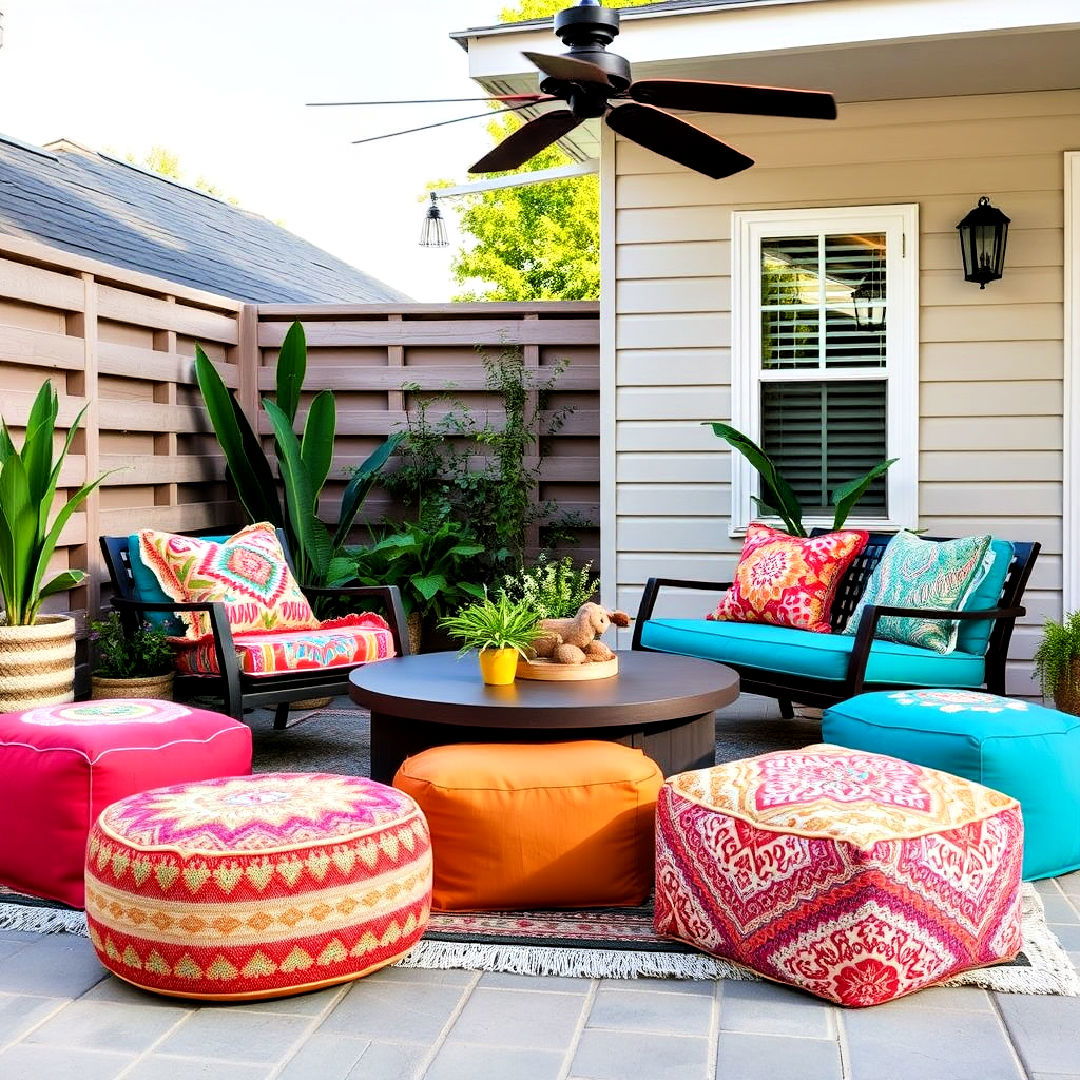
(658, 703)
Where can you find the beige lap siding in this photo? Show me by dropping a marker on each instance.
(990, 434)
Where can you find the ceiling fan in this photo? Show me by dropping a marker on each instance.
(596, 83)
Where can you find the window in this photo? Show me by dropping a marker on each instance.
(824, 355)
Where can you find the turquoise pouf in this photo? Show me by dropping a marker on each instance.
(1025, 750)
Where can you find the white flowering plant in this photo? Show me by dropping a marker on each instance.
(552, 588)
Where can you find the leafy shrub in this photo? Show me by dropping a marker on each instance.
(553, 588)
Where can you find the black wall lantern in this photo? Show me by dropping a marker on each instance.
(983, 234)
(868, 298)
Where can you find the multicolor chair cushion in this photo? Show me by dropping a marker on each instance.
(354, 639)
(248, 573)
(523, 825)
(929, 574)
(257, 886)
(858, 877)
(1030, 752)
(61, 765)
(788, 580)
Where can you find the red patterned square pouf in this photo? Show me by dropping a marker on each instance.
(61, 765)
(858, 877)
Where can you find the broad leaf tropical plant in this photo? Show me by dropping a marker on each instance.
(788, 508)
(304, 462)
(28, 482)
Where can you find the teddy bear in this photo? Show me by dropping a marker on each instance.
(575, 640)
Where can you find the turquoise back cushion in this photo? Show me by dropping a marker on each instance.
(149, 591)
(974, 636)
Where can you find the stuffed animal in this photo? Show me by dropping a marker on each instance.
(575, 641)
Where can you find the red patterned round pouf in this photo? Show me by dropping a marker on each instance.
(257, 886)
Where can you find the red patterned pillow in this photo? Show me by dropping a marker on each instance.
(788, 580)
(248, 573)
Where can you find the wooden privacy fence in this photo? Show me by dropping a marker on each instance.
(122, 343)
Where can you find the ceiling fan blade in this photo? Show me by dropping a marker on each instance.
(673, 138)
(527, 141)
(567, 68)
(703, 96)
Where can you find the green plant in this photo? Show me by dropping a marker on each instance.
(1056, 656)
(304, 463)
(482, 474)
(780, 499)
(499, 623)
(552, 588)
(28, 482)
(432, 566)
(124, 654)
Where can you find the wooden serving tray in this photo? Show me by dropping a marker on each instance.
(550, 671)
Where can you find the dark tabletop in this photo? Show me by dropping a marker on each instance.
(442, 687)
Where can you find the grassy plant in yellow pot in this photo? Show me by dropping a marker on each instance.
(500, 630)
(37, 652)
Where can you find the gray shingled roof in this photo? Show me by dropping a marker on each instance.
(85, 202)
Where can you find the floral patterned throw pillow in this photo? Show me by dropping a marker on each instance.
(920, 573)
(247, 572)
(788, 580)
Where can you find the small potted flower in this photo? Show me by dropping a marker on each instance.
(499, 629)
(135, 663)
(1057, 662)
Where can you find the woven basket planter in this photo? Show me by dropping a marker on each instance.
(149, 686)
(37, 663)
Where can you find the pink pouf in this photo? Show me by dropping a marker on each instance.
(61, 765)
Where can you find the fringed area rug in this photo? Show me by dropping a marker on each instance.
(609, 943)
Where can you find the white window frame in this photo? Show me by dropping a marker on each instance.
(900, 224)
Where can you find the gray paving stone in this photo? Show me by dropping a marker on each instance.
(505, 980)
(122, 993)
(300, 1004)
(60, 1063)
(519, 1018)
(1069, 883)
(1055, 1076)
(391, 1061)
(97, 1025)
(19, 935)
(1068, 934)
(640, 1010)
(235, 1034)
(411, 1012)
(9, 948)
(163, 1067)
(19, 1014)
(55, 965)
(765, 1057)
(463, 1061)
(423, 975)
(1046, 1031)
(631, 1055)
(704, 987)
(956, 998)
(1059, 908)
(763, 1008)
(900, 1044)
(325, 1057)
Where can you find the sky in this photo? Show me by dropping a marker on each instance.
(222, 84)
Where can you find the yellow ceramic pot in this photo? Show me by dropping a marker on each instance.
(498, 666)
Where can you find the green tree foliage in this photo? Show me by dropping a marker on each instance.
(165, 163)
(540, 242)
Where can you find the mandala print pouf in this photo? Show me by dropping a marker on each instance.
(1027, 751)
(857, 877)
(257, 886)
(61, 765)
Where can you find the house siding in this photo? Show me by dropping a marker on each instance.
(990, 382)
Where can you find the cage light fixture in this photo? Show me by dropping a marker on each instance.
(983, 234)
(433, 233)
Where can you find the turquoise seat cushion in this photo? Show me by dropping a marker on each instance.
(973, 637)
(149, 591)
(1023, 749)
(786, 651)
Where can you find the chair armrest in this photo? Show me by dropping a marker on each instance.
(391, 598)
(872, 613)
(652, 591)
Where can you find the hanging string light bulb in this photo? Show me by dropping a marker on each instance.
(433, 234)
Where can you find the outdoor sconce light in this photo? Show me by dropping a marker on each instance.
(868, 299)
(983, 233)
(433, 234)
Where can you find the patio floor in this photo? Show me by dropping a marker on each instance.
(62, 1017)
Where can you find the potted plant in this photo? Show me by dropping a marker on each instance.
(553, 588)
(1057, 662)
(499, 629)
(136, 663)
(37, 652)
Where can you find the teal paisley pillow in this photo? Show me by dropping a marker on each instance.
(924, 574)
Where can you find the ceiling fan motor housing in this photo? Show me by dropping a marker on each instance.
(586, 30)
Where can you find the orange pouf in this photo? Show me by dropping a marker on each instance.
(537, 825)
